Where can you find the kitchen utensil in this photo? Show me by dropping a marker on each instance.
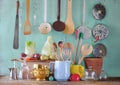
(55, 50)
(16, 34)
(99, 11)
(84, 29)
(27, 25)
(67, 51)
(45, 27)
(79, 41)
(35, 9)
(60, 45)
(69, 25)
(100, 32)
(59, 25)
(99, 50)
(85, 50)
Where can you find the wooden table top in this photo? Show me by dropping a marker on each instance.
(4, 80)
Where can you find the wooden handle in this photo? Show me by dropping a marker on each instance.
(69, 9)
(80, 59)
(27, 8)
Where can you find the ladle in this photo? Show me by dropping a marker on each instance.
(45, 27)
(59, 25)
(84, 29)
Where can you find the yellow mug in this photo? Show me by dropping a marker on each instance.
(77, 69)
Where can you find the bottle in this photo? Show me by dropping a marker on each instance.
(24, 70)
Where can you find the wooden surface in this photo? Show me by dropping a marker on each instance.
(4, 80)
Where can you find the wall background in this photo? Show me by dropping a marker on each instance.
(7, 24)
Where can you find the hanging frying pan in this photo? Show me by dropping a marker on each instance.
(100, 31)
(99, 11)
(69, 25)
(99, 50)
(84, 29)
(59, 25)
(45, 27)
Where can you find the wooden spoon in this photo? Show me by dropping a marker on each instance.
(59, 25)
(27, 26)
(85, 50)
(55, 50)
(60, 45)
(69, 25)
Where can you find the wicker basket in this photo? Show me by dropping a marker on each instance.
(95, 62)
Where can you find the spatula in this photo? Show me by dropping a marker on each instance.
(27, 25)
(69, 25)
(16, 35)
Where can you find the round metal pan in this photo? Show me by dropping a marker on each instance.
(99, 11)
(100, 31)
(99, 50)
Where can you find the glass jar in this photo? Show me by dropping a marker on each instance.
(24, 71)
(90, 74)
